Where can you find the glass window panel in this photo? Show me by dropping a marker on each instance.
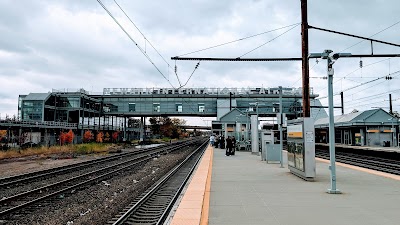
(156, 107)
(179, 107)
(132, 107)
(201, 107)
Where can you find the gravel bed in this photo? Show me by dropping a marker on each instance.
(51, 180)
(98, 203)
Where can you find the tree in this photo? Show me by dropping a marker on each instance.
(87, 136)
(155, 125)
(99, 137)
(167, 127)
(134, 123)
(3, 134)
(69, 137)
(63, 137)
(115, 136)
(107, 137)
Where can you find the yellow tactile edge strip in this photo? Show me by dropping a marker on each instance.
(206, 202)
(194, 204)
(378, 173)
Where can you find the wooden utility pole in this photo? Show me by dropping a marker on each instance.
(304, 56)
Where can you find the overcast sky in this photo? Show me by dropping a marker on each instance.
(61, 44)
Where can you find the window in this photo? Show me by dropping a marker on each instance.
(156, 107)
(201, 107)
(132, 107)
(178, 107)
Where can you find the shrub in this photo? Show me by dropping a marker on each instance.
(87, 136)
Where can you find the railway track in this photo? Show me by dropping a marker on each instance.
(11, 181)
(45, 195)
(369, 162)
(16, 184)
(154, 205)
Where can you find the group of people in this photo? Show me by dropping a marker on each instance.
(220, 142)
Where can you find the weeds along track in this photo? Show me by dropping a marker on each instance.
(50, 191)
(365, 161)
(154, 205)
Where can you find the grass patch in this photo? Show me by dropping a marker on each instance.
(78, 149)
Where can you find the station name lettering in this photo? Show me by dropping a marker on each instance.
(197, 91)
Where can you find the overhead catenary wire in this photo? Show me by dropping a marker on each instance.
(340, 78)
(147, 41)
(369, 97)
(268, 41)
(129, 36)
(240, 39)
(371, 36)
(195, 68)
(122, 28)
(347, 89)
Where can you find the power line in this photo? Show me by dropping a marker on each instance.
(268, 41)
(147, 40)
(141, 50)
(354, 72)
(374, 96)
(364, 83)
(371, 36)
(195, 68)
(241, 39)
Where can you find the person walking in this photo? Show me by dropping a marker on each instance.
(212, 139)
(228, 146)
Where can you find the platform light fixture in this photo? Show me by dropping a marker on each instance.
(331, 59)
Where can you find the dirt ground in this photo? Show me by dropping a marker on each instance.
(16, 166)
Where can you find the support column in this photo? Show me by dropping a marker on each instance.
(280, 126)
(124, 128)
(141, 129)
(254, 135)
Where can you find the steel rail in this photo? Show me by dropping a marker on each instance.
(104, 172)
(149, 193)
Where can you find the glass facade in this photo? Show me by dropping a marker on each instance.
(32, 110)
(70, 107)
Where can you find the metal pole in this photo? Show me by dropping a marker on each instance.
(341, 100)
(390, 104)
(332, 167)
(280, 125)
(304, 56)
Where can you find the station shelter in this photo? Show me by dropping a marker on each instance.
(374, 127)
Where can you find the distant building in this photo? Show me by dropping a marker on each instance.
(374, 127)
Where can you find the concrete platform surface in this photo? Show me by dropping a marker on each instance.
(246, 190)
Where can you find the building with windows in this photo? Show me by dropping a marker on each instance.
(111, 109)
(374, 127)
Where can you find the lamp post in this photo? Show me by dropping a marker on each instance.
(330, 61)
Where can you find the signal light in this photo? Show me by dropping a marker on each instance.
(388, 77)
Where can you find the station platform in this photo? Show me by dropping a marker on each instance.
(242, 189)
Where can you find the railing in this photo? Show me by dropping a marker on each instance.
(11, 122)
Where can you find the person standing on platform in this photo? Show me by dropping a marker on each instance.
(212, 139)
(216, 141)
(228, 146)
(233, 145)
